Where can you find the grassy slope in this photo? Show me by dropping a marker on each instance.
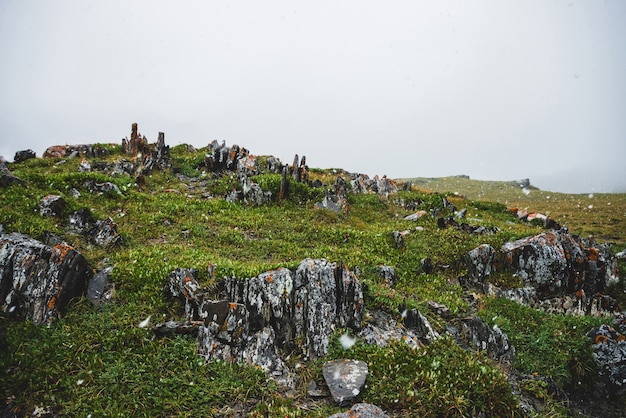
(96, 360)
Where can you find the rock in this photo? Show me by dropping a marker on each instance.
(100, 289)
(84, 166)
(101, 188)
(173, 328)
(38, 281)
(362, 410)
(105, 233)
(415, 216)
(333, 203)
(183, 284)
(417, 322)
(556, 263)
(52, 205)
(492, 340)
(274, 165)
(609, 351)
(279, 309)
(137, 144)
(440, 309)
(361, 183)
(81, 221)
(619, 321)
(398, 239)
(252, 192)
(55, 151)
(7, 178)
(388, 274)
(427, 265)
(383, 327)
(315, 305)
(479, 262)
(345, 379)
(24, 155)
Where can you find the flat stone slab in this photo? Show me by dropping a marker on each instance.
(345, 378)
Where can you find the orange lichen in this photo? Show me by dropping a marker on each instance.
(601, 339)
(52, 302)
(270, 278)
(620, 338)
(580, 293)
(232, 306)
(593, 254)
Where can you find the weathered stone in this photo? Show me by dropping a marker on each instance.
(137, 144)
(81, 221)
(101, 188)
(361, 183)
(492, 340)
(105, 233)
(345, 379)
(7, 178)
(274, 165)
(619, 322)
(383, 327)
(24, 155)
(362, 410)
(388, 274)
(332, 202)
(183, 284)
(173, 328)
(398, 239)
(427, 265)
(252, 192)
(315, 309)
(100, 288)
(350, 302)
(420, 325)
(38, 281)
(84, 166)
(556, 263)
(479, 262)
(55, 151)
(609, 351)
(52, 205)
(415, 216)
(440, 309)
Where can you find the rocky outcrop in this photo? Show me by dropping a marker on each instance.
(361, 183)
(71, 151)
(560, 272)
(279, 311)
(38, 281)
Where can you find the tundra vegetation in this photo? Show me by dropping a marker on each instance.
(96, 361)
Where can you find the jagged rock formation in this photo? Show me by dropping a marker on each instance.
(38, 281)
(52, 205)
(21, 156)
(279, 311)
(561, 273)
(609, 351)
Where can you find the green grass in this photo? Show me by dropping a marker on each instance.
(125, 371)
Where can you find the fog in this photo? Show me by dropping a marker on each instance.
(497, 90)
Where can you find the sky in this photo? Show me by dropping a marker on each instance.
(493, 89)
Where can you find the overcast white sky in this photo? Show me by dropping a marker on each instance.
(496, 90)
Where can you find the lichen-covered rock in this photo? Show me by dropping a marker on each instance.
(484, 338)
(362, 410)
(183, 284)
(418, 323)
(81, 221)
(345, 379)
(388, 274)
(609, 351)
(38, 281)
(479, 262)
(52, 205)
(384, 186)
(104, 233)
(383, 327)
(315, 304)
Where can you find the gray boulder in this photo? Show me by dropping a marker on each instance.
(52, 205)
(105, 233)
(24, 155)
(37, 281)
(7, 178)
(345, 379)
(100, 288)
(479, 262)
